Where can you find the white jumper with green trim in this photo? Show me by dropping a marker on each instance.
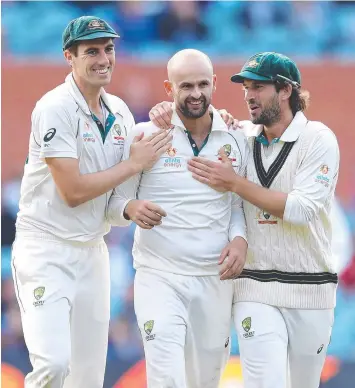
(289, 262)
(64, 127)
(200, 221)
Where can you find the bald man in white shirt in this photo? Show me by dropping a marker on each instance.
(183, 287)
(285, 296)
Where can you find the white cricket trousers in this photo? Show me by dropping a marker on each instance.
(282, 347)
(63, 290)
(185, 323)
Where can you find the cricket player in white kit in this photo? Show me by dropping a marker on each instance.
(285, 296)
(182, 306)
(60, 260)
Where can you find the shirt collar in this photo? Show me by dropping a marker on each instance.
(291, 133)
(80, 100)
(217, 122)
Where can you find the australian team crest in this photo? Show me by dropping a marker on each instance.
(39, 292)
(118, 139)
(246, 324)
(117, 130)
(231, 154)
(96, 25)
(148, 327)
(227, 148)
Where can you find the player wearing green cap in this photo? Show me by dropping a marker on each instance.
(284, 298)
(60, 260)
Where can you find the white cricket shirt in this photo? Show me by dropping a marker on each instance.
(63, 127)
(200, 221)
(290, 262)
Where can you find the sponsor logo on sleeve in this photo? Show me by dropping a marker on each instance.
(322, 176)
(49, 136)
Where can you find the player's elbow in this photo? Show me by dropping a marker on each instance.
(72, 199)
(301, 212)
(71, 202)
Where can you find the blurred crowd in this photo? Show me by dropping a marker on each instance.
(154, 30)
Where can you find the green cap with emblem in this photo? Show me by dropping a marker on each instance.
(269, 67)
(87, 28)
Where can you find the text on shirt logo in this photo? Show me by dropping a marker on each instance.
(118, 139)
(172, 161)
(322, 178)
(88, 137)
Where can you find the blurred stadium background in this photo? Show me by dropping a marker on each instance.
(319, 35)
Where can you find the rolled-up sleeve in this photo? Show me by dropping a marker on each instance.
(315, 180)
(237, 225)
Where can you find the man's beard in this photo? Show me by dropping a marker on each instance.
(192, 114)
(270, 115)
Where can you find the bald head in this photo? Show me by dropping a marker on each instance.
(189, 62)
(191, 82)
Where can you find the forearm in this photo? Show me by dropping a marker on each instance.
(237, 226)
(116, 211)
(90, 186)
(273, 202)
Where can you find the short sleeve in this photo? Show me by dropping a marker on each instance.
(57, 133)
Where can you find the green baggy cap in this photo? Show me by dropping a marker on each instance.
(270, 67)
(86, 28)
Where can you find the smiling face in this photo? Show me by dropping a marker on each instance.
(191, 83)
(264, 102)
(193, 96)
(94, 61)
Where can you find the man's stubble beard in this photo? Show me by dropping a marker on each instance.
(191, 114)
(270, 114)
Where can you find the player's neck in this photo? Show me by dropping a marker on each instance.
(197, 127)
(90, 93)
(277, 129)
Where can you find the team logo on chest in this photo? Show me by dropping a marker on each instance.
(230, 152)
(263, 217)
(117, 137)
